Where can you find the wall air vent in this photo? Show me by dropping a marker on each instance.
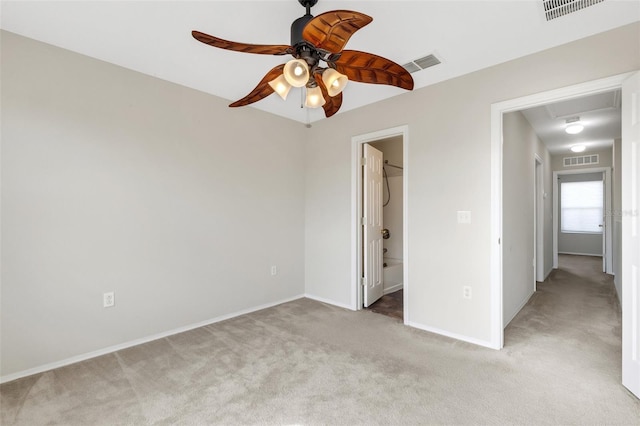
(582, 160)
(421, 63)
(556, 8)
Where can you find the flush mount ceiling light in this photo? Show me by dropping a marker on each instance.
(313, 41)
(573, 126)
(578, 148)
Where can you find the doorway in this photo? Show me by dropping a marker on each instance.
(389, 299)
(630, 85)
(392, 146)
(604, 242)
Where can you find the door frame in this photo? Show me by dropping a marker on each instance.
(538, 221)
(356, 213)
(607, 233)
(497, 111)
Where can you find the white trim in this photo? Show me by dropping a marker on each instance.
(496, 296)
(497, 110)
(517, 311)
(538, 221)
(136, 342)
(580, 254)
(473, 340)
(356, 212)
(329, 301)
(606, 171)
(548, 272)
(394, 288)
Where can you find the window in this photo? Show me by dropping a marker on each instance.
(581, 207)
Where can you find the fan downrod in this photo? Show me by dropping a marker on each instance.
(308, 3)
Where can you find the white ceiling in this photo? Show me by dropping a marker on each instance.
(600, 114)
(154, 37)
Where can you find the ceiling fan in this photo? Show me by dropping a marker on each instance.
(315, 40)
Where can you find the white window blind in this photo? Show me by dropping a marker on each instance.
(581, 206)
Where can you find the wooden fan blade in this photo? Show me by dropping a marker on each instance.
(369, 68)
(332, 104)
(263, 49)
(330, 31)
(262, 90)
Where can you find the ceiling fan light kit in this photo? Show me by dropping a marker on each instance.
(334, 81)
(281, 86)
(315, 40)
(296, 72)
(314, 98)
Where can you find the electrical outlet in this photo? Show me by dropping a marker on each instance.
(466, 292)
(108, 299)
(274, 270)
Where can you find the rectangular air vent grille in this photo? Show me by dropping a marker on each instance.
(556, 8)
(421, 63)
(581, 160)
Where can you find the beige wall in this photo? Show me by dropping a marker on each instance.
(605, 160)
(449, 169)
(520, 147)
(113, 180)
(572, 243)
(117, 181)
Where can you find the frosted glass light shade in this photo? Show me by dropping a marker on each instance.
(314, 98)
(280, 86)
(296, 72)
(578, 148)
(574, 128)
(334, 81)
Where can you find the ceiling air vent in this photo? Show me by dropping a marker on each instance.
(556, 8)
(421, 63)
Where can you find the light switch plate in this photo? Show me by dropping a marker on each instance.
(464, 216)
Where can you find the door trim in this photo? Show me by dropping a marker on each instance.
(356, 213)
(538, 221)
(608, 234)
(497, 111)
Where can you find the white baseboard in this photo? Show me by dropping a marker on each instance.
(115, 348)
(581, 254)
(328, 301)
(526, 300)
(461, 337)
(393, 288)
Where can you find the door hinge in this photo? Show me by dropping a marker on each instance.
(363, 281)
(363, 221)
(363, 161)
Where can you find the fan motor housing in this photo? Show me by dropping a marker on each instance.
(297, 27)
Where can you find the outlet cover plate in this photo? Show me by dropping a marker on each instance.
(108, 299)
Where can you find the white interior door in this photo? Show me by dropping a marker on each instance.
(372, 224)
(630, 237)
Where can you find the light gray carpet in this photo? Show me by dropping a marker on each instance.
(307, 363)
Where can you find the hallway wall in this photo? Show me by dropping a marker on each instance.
(520, 145)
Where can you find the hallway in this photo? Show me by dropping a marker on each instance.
(574, 316)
